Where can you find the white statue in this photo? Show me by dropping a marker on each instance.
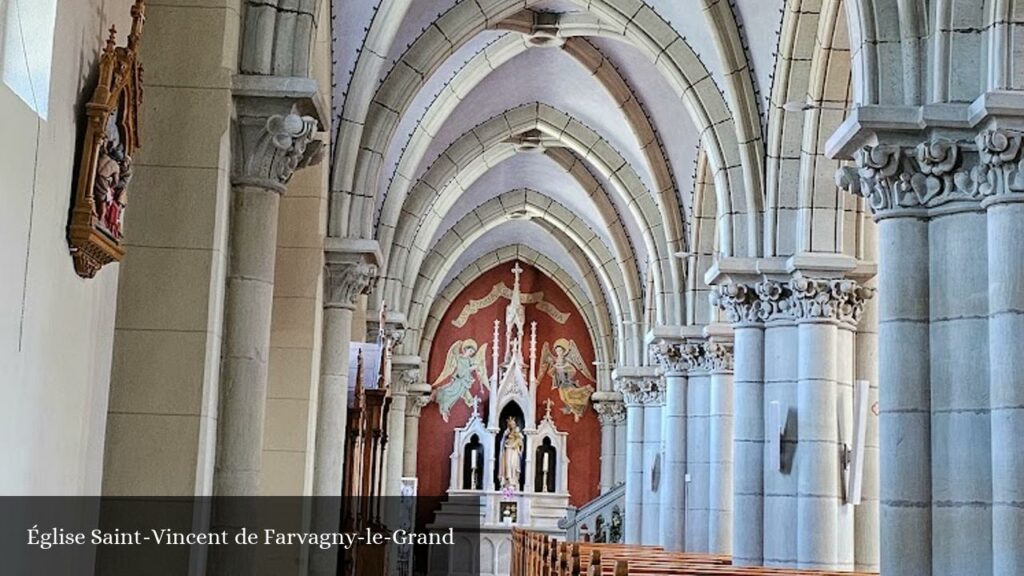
(510, 467)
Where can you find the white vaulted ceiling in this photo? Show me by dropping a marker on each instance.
(601, 110)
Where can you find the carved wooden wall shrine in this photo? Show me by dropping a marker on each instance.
(96, 228)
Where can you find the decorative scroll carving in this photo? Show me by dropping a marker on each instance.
(610, 413)
(272, 147)
(344, 282)
(96, 228)
(936, 172)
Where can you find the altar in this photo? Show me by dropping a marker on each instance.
(509, 459)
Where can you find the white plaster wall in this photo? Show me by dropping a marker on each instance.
(56, 329)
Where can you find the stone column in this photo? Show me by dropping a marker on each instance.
(271, 148)
(698, 454)
(272, 141)
(673, 472)
(610, 412)
(819, 306)
(718, 358)
(632, 389)
(961, 427)
(866, 514)
(780, 395)
(415, 403)
(654, 400)
(620, 448)
(743, 308)
(406, 375)
(346, 277)
(1006, 357)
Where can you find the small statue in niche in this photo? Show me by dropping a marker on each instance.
(600, 537)
(113, 174)
(510, 469)
(465, 364)
(563, 362)
(615, 529)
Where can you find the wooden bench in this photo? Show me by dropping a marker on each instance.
(536, 554)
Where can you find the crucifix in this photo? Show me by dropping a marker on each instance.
(517, 270)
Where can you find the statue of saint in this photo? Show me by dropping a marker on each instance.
(512, 444)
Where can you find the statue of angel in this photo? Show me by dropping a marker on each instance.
(562, 361)
(466, 362)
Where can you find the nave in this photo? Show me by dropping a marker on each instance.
(733, 282)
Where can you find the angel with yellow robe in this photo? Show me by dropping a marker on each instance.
(562, 361)
(465, 364)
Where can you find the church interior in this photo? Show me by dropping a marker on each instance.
(657, 286)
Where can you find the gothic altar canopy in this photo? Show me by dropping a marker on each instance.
(510, 452)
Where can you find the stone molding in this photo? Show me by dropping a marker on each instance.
(641, 390)
(798, 299)
(344, 282)
(610, 412)
(897, 179)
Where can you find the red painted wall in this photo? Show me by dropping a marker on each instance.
(436, 436)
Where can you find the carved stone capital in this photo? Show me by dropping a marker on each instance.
(271, 147)
(828, 300)
(610, 413)
(393, 329)
(671, 356)
(404, 379)
(642, 391)
(415, 404)
(344, 282)
(741, 303)
(936, 172)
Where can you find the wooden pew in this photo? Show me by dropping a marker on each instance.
(536, 554)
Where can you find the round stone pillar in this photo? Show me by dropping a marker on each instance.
(960, 421)
(720, 433)
(673, 473)
(632, 389)
(825, 312)
(1006, 358)
(620, 449)
(904, 392)
(610, 413)
(345, 278)
(653, 403)
(248, 302)
(271, 143)
(414, 407)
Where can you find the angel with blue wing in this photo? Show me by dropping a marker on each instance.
(465, 364)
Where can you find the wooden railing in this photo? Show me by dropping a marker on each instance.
(535, 554)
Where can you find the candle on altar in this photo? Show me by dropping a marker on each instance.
(546, 455)
(476, 459)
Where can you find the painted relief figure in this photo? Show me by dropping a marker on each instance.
(465, 364)
(510, 468)
(113, 174)
(563, 362)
